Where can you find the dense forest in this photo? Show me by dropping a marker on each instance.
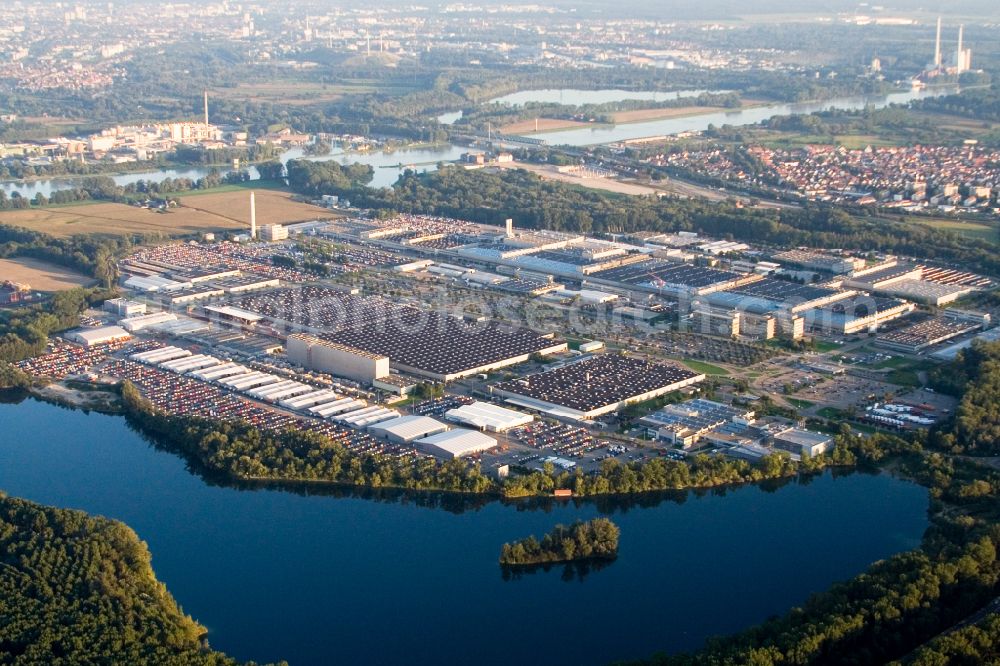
(532, 202)
(595, 539)
(979, 103)
(975, 377)
(80, 590)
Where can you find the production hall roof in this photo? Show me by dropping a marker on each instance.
(490, 417)
(457, 443)
(408, 428)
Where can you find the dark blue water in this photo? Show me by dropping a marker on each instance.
(383, 580)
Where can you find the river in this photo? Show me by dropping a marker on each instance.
(389, 165)
(586, 136)
(316, 578)
(577, 97)
(386, 165)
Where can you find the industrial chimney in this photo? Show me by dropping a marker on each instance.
(253, 218)
(206, 109)
(937, 45)
(510, 228)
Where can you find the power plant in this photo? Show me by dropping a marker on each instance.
(959, 62)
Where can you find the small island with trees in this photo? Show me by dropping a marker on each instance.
(595, 539)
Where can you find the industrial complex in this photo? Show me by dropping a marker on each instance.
(435, 337)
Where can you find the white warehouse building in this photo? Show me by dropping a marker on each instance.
(90, 337)
(456, 443)
(485, 416)
(405, 429)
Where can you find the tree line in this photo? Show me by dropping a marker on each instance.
(241, 451)
(180, 156)
(104, 188)
(978, 103)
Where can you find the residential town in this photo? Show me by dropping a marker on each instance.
(910, 178)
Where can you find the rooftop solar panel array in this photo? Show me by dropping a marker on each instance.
(598, 381)
(671, 273)
(436, 343)
(784, 291)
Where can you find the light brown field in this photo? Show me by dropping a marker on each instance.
(40, 275)
(273, 207)
(222, 211)
(639, 115)
(549, 172)
(294, 93)
(544, 125)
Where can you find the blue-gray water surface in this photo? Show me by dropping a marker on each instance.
(389, 579)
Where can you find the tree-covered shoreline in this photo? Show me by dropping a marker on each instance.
(241, 452)
(81, 589)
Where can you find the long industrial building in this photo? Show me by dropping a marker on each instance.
(426, 344)
(445, 348)
(596, 385)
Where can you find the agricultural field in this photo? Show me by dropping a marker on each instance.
(42, 276)
(642, 115)
(969, 229)
(849, 141)
(550, 172)
(526, 127)
(233, 206)
(298, 93)
(215, 211)
(704, 368)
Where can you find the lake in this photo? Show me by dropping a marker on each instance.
(317, 578)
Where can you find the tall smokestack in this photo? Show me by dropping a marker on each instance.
(961, 29)
(253, 218)
(510, 228)
(206, 108)
(937, 44)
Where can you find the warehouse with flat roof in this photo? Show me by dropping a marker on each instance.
(405, 429)
(924, 334)
(485, 416)
(456, 443)
(89, 337)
